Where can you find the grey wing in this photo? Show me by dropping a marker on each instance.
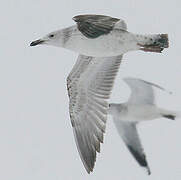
(142, 92)
(93, 26)
(89, 86)
(129, 134)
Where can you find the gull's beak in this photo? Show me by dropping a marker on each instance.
(37, 42)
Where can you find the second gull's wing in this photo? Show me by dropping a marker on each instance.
(129, 134)
(142, 92)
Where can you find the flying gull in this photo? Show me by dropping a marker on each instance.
(102, 36)
(139, 107)
(100, 41)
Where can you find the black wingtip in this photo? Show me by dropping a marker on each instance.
(141, 159)
(148, 170)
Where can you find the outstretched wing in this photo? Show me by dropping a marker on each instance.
(141, 91)
(89, 86)
(129, 134)
(93, 26)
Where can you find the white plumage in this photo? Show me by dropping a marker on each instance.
(102, 36)
(139, 107)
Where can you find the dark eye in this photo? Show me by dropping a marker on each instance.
(51, 35)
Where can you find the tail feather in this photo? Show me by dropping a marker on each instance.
(170, 114)
(163, 41)
(153, 43)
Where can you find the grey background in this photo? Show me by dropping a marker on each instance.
(36, 139)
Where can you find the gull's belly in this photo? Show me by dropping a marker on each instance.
(141, 113)
(112, 44)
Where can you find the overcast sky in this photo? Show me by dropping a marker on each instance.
(36, 138)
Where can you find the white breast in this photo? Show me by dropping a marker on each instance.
(115, 43)
(141, 113)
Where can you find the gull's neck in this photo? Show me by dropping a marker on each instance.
(64, 36)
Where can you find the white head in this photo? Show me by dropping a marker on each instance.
(55, 38)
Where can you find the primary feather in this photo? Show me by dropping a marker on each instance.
(89, 87)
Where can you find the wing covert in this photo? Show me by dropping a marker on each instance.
(93, 26)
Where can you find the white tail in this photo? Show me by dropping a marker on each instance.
(153, 43)
(170, 114)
